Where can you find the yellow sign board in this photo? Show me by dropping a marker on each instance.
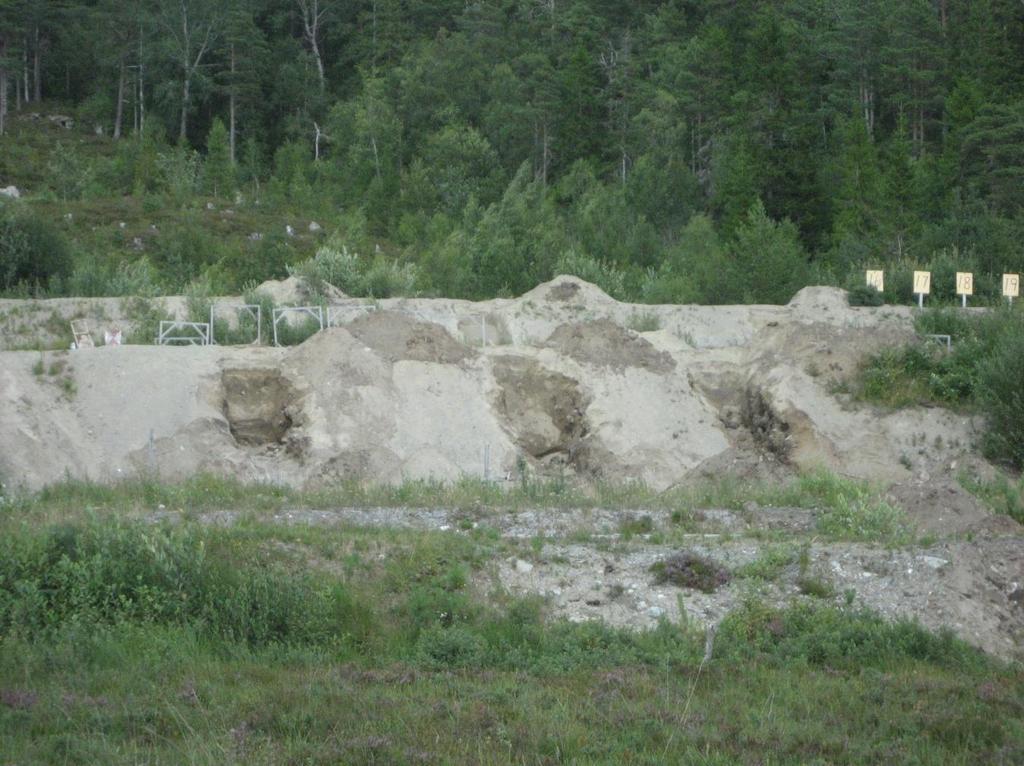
(1011, 285)
(876, 279)
(922, 282)
(964, 283)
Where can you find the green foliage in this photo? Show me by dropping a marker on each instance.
(33, 252)
(71, 174)
(769, 260)
(983, 372)
(865, 295)
(1000, 393)
(218, 171)
(106, 572)
(824, 636)
(1000, 493)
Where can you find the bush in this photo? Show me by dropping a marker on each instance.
(864, 295)
(1001, 396)
(690, 570)
(32, 251)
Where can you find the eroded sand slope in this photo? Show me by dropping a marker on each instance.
(409, 391)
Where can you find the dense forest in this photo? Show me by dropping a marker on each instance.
(669, 151)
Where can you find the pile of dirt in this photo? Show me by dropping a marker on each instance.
(295, 291)
(939, 505)
(603, 343)
(399, 337)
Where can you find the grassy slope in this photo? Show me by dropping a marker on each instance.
(416, 665)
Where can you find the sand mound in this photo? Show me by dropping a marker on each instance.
(398, 393)
(605, 344)
(820, 299)
(294, 291)
(397, 337)
(570, 290)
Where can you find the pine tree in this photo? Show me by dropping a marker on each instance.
(218, 170)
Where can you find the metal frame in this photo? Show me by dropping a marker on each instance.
(200, 330)
(948, 340)
(255, 311)
(316, 312)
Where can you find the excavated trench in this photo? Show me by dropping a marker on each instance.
(258, 406)
(544, 410)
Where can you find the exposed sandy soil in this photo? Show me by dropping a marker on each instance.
(411, 391)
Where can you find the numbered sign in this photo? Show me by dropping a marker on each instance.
(876, 279)
(922, 282)
(1011, 285)
(964, 283)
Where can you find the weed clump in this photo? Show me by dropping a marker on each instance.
(690, 570)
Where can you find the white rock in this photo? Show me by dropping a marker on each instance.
(289, 230)
(315, 227)
(523, 567)
(655, 611)
(10, 191)
(933, 561)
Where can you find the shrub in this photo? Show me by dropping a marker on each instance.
(32, 251)
(454, 647)
(332, 265)
(1001, 396)
(864, 295)
(690, 570)
(827, 636)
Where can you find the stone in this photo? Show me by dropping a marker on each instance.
(10, 191)
(656, 612)
(314, 227)
(523, 567)
(933, 561)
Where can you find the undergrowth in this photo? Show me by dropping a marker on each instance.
(126, 642)
(983, 372)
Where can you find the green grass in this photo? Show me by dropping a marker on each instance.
(1003, 494)
(849, 509)
(123, 642)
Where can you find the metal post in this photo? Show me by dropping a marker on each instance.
(920, 300)
(964, 301)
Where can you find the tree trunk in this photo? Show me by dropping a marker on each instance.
(119, 114)
(3, 85)
(319, 63)
(185, 88)
(37, 68)
(142, 91)
(24, 67)
(231, 110)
